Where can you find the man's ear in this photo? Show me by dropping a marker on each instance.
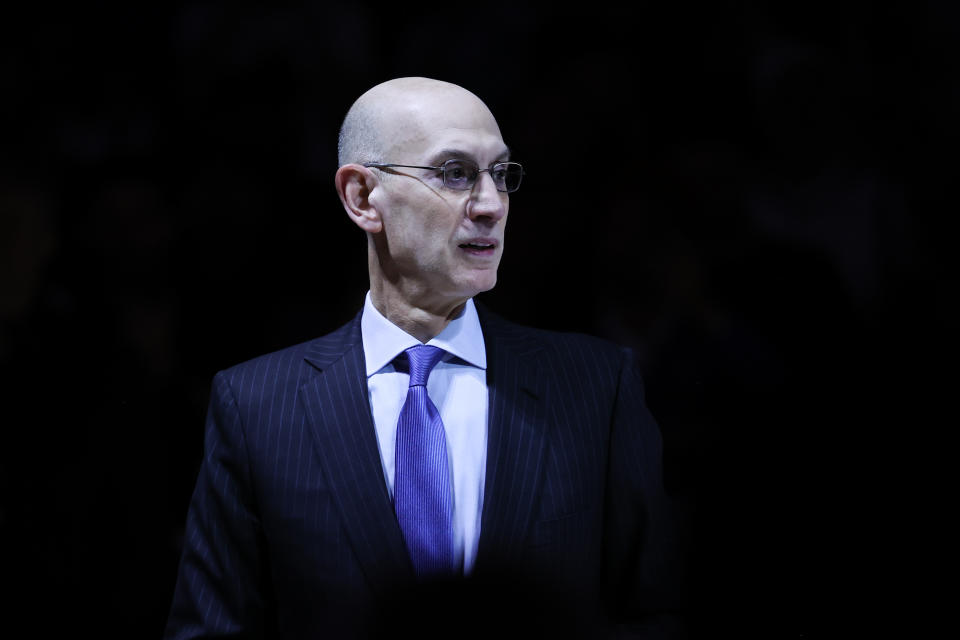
(354, 185)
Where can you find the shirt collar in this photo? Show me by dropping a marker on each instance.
(383, 340)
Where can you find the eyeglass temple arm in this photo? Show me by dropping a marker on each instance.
(388, 165)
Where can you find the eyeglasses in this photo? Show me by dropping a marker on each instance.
(463, 174)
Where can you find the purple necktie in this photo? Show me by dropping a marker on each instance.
(423, 498)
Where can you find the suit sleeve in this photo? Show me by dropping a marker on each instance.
(218, 592)
(644, 553)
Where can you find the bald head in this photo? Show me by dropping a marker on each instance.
(431, 246)
(392, 113)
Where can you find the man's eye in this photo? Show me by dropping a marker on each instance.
(457, 173)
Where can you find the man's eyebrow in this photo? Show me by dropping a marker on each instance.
(447, 154)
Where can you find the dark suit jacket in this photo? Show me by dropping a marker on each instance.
(291, 533)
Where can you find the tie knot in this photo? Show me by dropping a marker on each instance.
(421, 360)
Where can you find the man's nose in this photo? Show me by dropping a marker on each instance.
(485, 200)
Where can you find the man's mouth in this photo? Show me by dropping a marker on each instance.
(478, 246)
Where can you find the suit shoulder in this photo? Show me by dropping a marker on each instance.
(289, 362)
(562, 343)
(271, 360)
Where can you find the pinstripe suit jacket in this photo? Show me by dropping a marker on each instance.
(291, 533)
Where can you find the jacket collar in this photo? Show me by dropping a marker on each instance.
(517, 433)
(338, 413)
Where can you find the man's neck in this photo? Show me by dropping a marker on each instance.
(422, 321)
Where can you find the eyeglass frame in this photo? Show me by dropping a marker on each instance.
(442, 168)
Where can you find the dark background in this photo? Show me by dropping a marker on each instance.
(754, 198)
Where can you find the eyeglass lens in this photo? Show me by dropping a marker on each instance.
(462, 174)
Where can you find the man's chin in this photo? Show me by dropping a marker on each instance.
(466, 283)
(485, 283)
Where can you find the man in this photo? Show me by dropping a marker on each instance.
(428, 467)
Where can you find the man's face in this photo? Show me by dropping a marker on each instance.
(440, 244)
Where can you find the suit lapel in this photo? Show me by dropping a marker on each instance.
(516, 440)
(338, 411)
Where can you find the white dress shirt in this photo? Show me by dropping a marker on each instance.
(458, 387)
